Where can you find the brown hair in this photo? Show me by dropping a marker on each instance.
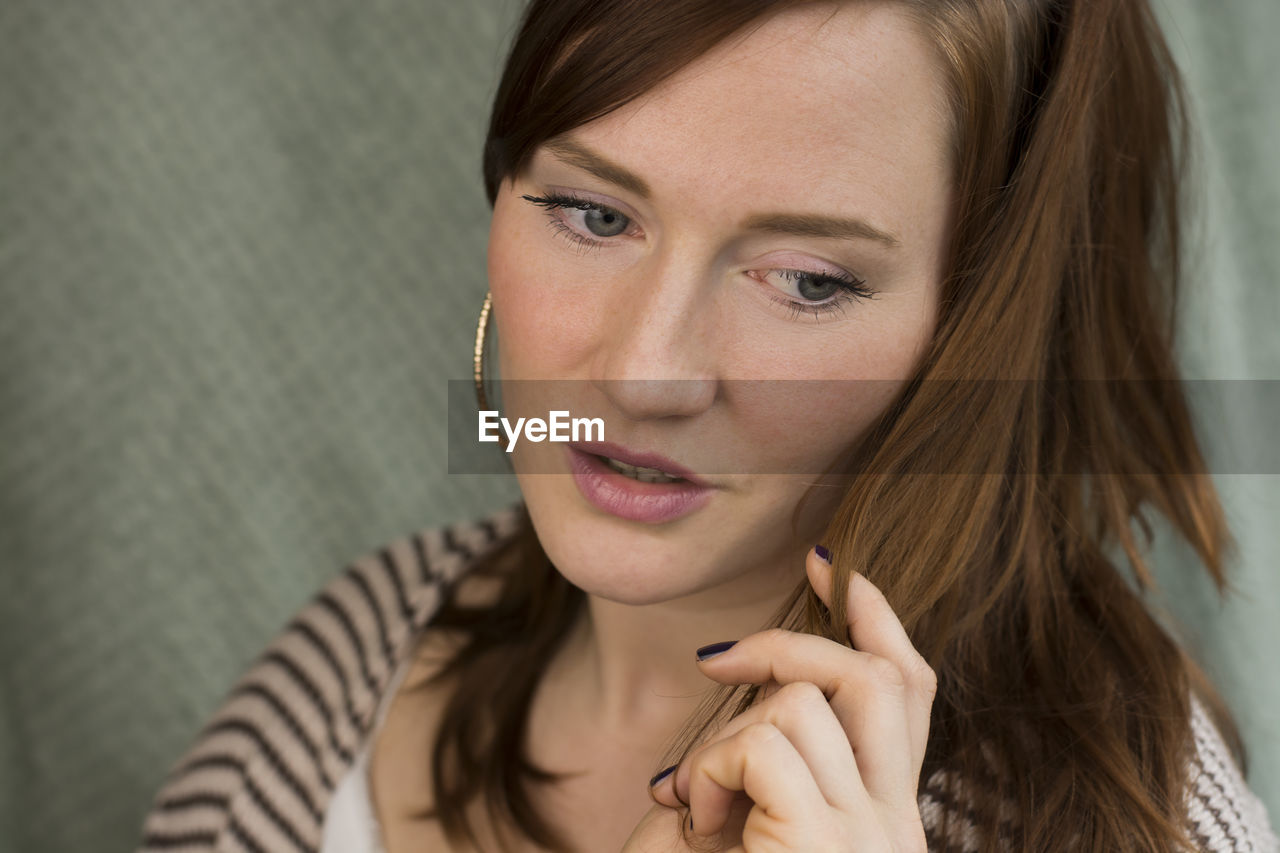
(1058, 693)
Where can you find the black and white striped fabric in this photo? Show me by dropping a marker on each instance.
(262, 772)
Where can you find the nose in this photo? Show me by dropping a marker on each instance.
(657, 358)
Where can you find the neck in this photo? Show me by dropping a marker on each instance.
(628, 669)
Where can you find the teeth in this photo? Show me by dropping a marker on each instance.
(644, 475)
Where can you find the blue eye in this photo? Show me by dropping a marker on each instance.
(590, 225)
(604, 222)
(806, 292)
(597, 220)
(811, 287)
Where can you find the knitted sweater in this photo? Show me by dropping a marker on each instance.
(261, 773)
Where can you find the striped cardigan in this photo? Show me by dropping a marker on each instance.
(260, 774)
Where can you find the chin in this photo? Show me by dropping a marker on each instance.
(608, 557)
(615, 559)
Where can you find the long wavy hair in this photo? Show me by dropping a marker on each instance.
(1062, 717)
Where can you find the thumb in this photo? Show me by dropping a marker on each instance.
(659, 831)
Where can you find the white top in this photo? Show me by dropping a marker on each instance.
(350, 825)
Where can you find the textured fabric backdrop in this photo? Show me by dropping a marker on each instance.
(241, 250)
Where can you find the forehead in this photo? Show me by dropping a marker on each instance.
(818, 105)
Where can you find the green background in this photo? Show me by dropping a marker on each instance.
(241, 252)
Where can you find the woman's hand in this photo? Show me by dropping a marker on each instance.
(829, 760)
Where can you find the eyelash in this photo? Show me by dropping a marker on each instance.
(851, 287)
(551, 202)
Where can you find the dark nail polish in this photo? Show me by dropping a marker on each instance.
(823, 554)
(708, 652)
(664, 774)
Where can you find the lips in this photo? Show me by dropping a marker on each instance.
(644, 475)
(639, 459)
(622, 496)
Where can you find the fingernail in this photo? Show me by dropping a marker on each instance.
(708, 652)
(823, 554)
(664, 774)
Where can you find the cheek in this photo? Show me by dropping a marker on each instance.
(801, 428)
(543, 328)
(826, 400)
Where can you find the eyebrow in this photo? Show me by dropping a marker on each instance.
(797, 224)
(811, 225)
(568, 151)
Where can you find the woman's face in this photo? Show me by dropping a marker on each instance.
(776, 211)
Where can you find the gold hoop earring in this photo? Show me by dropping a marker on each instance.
(482, 328)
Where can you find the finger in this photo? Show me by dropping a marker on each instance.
(731, 832)
(875, 628)
(762, 762)
(801, 712)
(865, 692)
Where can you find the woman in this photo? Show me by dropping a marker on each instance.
(896, 277)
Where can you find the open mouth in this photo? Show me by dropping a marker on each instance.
(635, 472)
(636, 492)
